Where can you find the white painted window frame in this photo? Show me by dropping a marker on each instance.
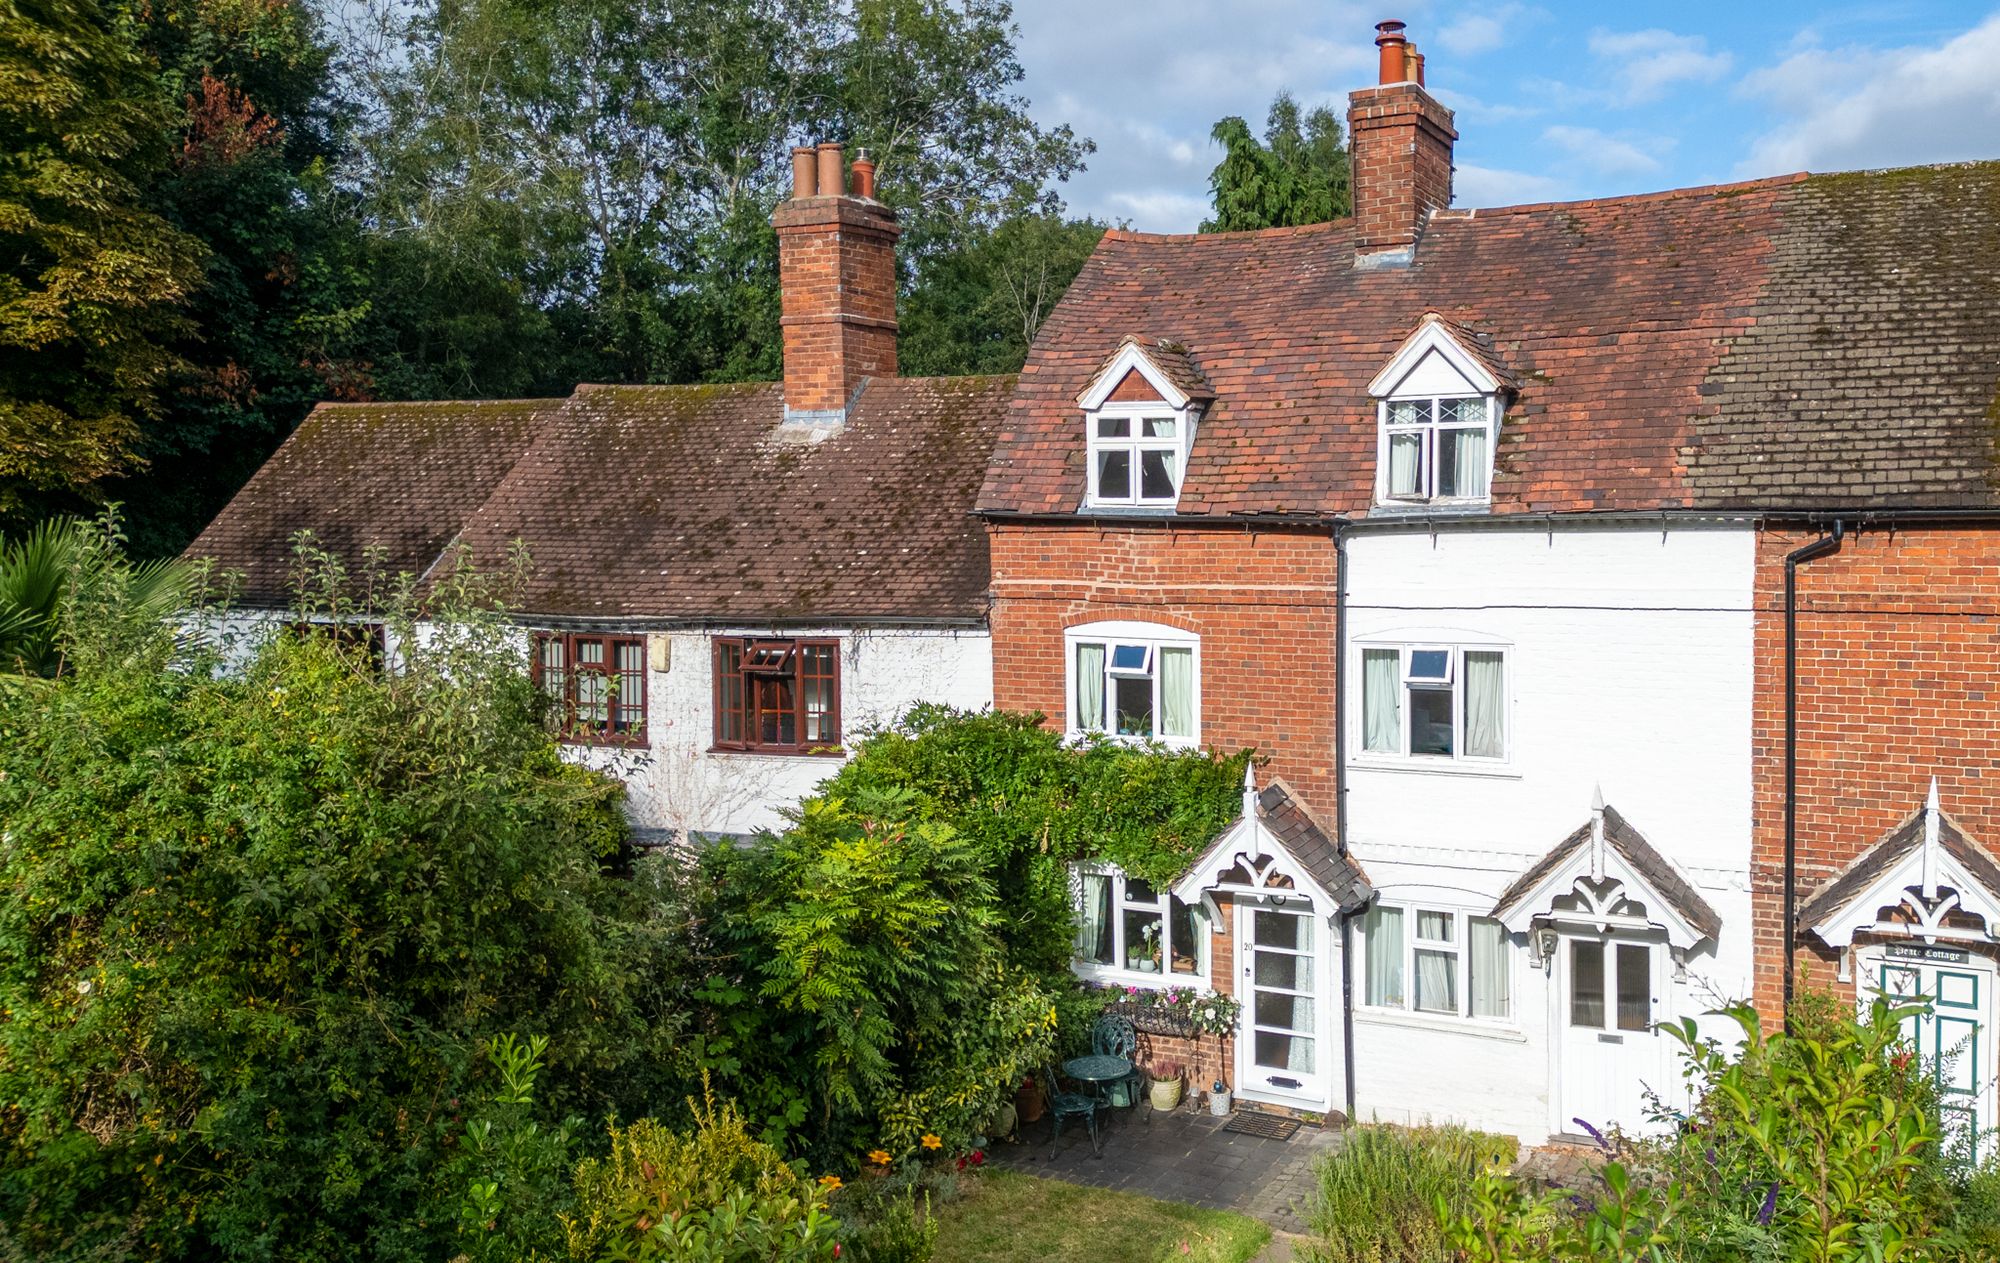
(1120, 950)
(1429, 430)
(1156, 636)
(1136, 445)
(1461, 946)
(1401, 757)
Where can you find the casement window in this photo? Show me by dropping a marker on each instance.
(1436, 449)
(1125, 927)
(777, 696)
(1434, 702)
(598, 684)
(1138, 454)
(1441, 961)
(1135, 680)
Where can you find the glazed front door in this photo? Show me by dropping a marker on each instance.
(1955, 1038)
(1281, 1050)
(1610, 1057)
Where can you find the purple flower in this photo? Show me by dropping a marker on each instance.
(1709, 1153)
(1769, 1207)
(1594, 1134)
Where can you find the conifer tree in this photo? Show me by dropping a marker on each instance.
(1298, 174)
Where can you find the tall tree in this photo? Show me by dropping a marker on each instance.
(1298, 174)
(91, 280)
(977, 308)
(618, 161)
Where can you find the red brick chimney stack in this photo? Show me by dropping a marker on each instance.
(1400, 142)
(837, 273)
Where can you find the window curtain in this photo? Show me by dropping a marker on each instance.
(1176, 692)
(1470, 463)
(1093, 922)
(1437, 981)
(1485, 702)
(1405, 464)
(1090, 688)
(1492, 983)
(1381, 701)
(1382, 941)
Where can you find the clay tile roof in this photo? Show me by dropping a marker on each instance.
(1890, 850)
(688, 503)
(1309, 842)
(1665, 880)
(398, 478)
(1474, 343)
(1175, 363)
(1819, 341)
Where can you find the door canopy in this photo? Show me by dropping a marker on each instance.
(1925, 880)
(1276, 847)
(1606, 876)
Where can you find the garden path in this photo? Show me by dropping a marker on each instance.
(1181, 1157)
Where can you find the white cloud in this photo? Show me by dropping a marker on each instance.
(1159, 210)
(1866, 107)
(1644, 64)
(1486, 29)
(1493, 186)
(1604, 154)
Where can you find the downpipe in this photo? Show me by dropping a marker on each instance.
(1824, 546)
(1340, 804)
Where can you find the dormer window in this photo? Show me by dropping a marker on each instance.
(1439, 405)
(1139, 416)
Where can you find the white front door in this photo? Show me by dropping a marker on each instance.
(1281, 1049)
(1955, 1038)
(1608, 994)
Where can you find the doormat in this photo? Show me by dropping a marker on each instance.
(1269, 1126)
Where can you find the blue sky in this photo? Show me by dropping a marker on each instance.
(1554, 100)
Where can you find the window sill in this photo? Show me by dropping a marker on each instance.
(1121, 978)
(1074, 737)
(1441, 767)
(1404, 1019)
(783, 752)
(635, 742)
(1431, 508)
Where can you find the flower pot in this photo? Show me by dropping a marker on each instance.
(1144, 966)
(1165, 1093)
(1004, 1120)
(1119, 1094)
(1218, 1102)
(1028, 1103)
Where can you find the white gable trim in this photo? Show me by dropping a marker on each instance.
(1262, 856)
(1432, 338)
(1929, 884)
(1596, 884)
(1131, 358)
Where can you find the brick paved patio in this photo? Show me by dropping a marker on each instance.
(1181, 1157)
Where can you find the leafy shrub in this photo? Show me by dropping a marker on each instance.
(1808, 1146)
(713, 1195)
(514, 1171)
(888, 1221)
(255, 925)
(1377, 1194)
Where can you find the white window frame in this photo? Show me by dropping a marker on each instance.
(1428, 431)
(1121, 951)
(1454, 681)
(1154, 637)
(1460, 946)
(1136, 415)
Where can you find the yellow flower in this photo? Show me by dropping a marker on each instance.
(829, 1182)
(880, 1157)
(932, 1142)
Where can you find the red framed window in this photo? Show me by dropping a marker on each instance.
(598, 684)
(781, 696)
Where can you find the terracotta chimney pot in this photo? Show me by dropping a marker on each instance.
(803, 183)
(864, 175)
(832, 177)
(1416, 65)
(1390, 44)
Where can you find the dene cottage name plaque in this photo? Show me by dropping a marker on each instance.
(1927, 952)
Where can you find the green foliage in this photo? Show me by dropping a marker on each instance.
(255, 926)
(93, 279)
(1376, 1195)
(514, 1171)
(714, 1195)
(887, 1221)
(1298, 174)
(978, 309)
(37, 569)
(1808, 1147)
(872, 1002)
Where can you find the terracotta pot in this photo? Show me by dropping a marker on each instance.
(1028, 1102)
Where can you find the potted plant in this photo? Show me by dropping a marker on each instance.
(1146, 959)
(1028, 1101)
(1218, 1099)
(1165, 1086)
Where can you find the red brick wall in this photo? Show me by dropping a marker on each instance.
(1133, 388)
(1401, 141)
(1899, 680)
(837, 272)
(1261, 601)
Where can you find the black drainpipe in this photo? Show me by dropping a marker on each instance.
(1821, 547)
(1340, 803)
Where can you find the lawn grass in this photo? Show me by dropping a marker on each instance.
(1007, 1216)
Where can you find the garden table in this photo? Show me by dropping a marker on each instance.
(1098, 1071)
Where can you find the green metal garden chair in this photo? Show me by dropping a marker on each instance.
(1070, 1105)
(1113, 1036)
